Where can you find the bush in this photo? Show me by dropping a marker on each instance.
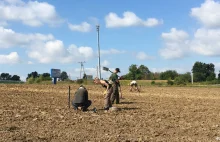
(30, 80)
(38, 80)
(170, 82)
(180, 81)
(152, 82)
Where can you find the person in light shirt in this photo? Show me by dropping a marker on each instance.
(134, 85)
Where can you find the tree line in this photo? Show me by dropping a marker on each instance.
(35, 77)
(7, 76)
(201, 72)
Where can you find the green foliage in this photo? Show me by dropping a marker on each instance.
(180, 80)
(152, 82)
(170, 82)
(16, 78)
(38, 80)
(203, 72)
(186, 76)
(84, 76)
(7, 76)
(63, 76)
(137, 73)
(30, 80)
(169, 74)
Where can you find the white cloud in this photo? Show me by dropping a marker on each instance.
(32, 13)
(54, 51)
(206, 42)
(129, 19)
(105, 63)
(83, 27)
(143, 56)
(30, 62)
(111, 51)
(176, 44)
(9, 38)
(3, 23)
(44, 48)
(11, 58)
(208, 13)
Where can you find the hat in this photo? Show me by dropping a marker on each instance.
(117, 69)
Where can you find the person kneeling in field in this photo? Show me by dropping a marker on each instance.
(109, 89)
(81, 99)
(134, 84)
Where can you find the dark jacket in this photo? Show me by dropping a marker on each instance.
(81, 95)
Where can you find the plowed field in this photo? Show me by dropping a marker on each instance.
(40, 113)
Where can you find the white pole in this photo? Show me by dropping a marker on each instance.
(192, 77)
(97, 27)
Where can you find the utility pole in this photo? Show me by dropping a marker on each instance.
(81, 69)
(99, 67)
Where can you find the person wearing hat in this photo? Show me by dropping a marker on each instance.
(115, 85)
(108, 86)
(81, 99)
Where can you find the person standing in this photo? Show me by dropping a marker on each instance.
(115, 85)
(108, 86)
(81, 99)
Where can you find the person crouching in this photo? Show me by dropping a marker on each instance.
(135, 85)
(81, 99)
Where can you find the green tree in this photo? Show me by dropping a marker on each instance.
(15, 78)
(137, 73)
(144, 71)
(186, 76)
(33, 74)
(63, 76)
(84, 76)
(180, 80)
(46, 77)
(5, 76)
(203, 72)
(169, 74)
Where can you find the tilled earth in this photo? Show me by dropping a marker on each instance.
(41, 113)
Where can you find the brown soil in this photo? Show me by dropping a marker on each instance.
(40, 113)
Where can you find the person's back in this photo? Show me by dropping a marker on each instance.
(133, 82)
(81, 99)
(81, 95)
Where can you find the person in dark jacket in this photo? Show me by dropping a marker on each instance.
(115, 93)
(81, 99)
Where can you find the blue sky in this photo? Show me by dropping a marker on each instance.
(162, 35)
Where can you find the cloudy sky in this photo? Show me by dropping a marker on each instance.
(160, 34)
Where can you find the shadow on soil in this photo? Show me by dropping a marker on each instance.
(127, 108)
(126, 102)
